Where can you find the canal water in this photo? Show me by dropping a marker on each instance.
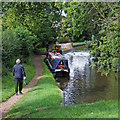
(85, 85)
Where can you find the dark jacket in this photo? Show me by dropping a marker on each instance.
(18, 71)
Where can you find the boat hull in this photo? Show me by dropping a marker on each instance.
(61, 74)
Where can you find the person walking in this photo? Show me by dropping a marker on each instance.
(18, 73)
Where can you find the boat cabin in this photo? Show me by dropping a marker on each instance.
(58, 64)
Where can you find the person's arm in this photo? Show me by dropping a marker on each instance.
(23, 72)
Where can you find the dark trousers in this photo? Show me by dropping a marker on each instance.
(20, 82)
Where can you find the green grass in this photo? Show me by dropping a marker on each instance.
(47, 96)
(44, 94)
(8, 88)
(81, 48)
(101, 109)
(78, 43)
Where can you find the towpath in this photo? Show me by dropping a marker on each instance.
(5, 106)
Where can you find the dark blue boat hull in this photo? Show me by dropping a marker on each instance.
(61, 74)
(58, 73)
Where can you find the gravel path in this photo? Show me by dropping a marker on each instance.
(5, 106)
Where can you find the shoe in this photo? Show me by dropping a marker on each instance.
(16, 93)
(21, 93)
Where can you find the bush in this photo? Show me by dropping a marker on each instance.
(24, 39)
(17, 43)
(62, 40)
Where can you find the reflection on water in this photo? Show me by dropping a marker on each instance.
(84, 83)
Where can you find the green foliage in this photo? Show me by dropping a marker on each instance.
(105, 44)
(16, 44)
(78, 24)
(96, 23)
(115, 64)
(39, 18)
(25, 41)
(62, 40)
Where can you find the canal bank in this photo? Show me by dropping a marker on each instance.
(78, 45)
(44, 101)
(97, 110)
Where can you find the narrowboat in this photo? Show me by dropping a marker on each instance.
(58, 64)
(63, 48)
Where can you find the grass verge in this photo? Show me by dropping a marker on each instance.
(78, 43)
(81, 48)
(44, 94)
(8, 88)
(101, 109)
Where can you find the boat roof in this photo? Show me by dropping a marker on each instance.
(64, 43)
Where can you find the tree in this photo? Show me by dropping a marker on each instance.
(97, 23)
(37, 17)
